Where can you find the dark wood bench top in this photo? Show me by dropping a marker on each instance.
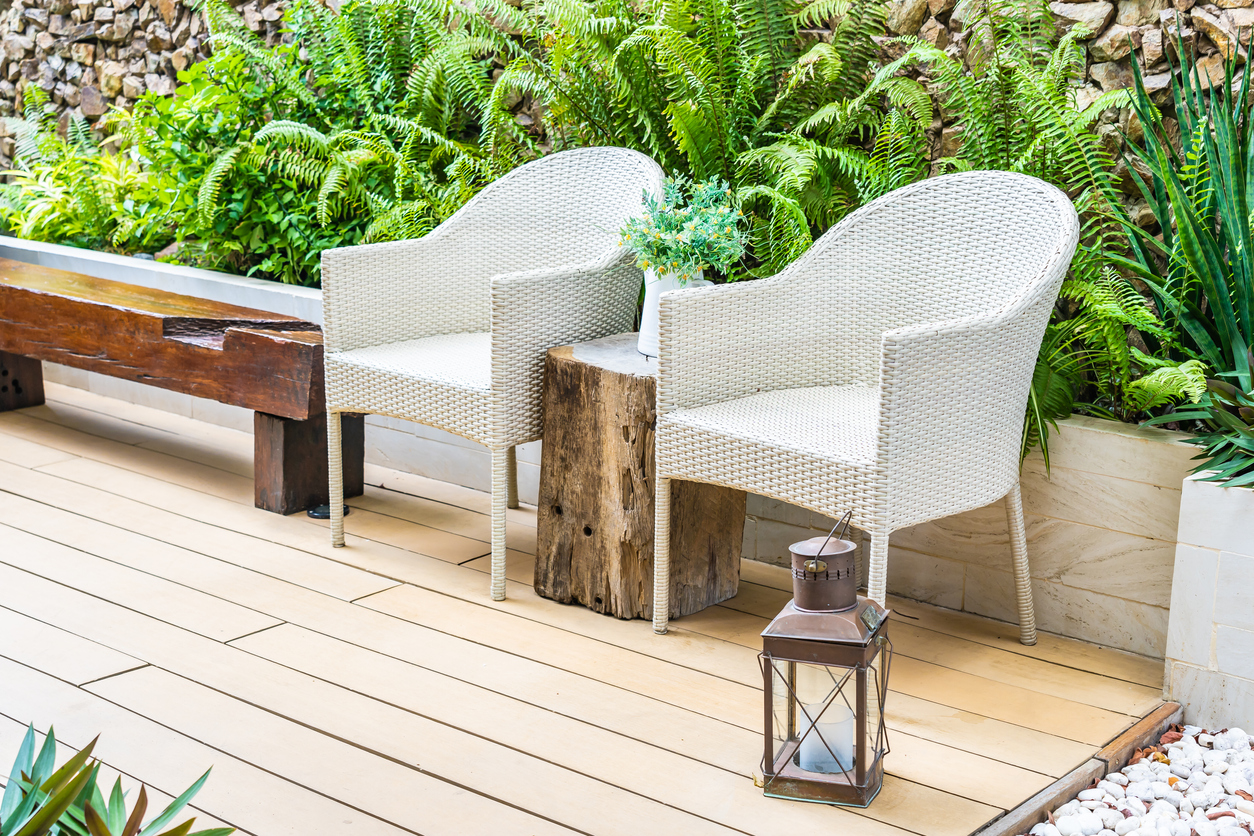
(259, 360)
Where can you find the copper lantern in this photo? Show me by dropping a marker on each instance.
(825, 680)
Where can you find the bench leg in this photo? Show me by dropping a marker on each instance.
(21, 382)
(290, 461)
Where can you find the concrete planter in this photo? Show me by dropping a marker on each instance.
(1101, 534)
(1210, 642)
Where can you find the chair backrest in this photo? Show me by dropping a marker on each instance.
(564, 208)
(942, 249)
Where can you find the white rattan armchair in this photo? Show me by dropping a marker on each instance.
(450, 330)
(885, 372)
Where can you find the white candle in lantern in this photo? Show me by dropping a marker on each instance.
(836, 727)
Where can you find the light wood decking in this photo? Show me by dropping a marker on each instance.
(377, 689)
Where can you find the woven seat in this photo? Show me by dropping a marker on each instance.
(451, 330)
(885, 372)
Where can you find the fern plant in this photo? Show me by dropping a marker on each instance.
(380, 118)
(1018, 112)
(66, 190)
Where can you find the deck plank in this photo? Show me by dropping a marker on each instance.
(236, 792)
(12, 732)
(58, 653)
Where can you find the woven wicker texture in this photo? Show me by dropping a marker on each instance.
(451, 330)
(885, 372)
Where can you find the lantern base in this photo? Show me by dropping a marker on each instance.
(793, 783)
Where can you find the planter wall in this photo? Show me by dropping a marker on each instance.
(1101, 534)
(1210, 643)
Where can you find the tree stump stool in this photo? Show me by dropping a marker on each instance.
(595, 517)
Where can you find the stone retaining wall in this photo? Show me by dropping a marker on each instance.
(90, 54)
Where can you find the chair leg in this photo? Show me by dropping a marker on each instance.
(511, 477)
(1023, 577)
(877, 567)
(500, 499)
(662, 555)
(335, 479)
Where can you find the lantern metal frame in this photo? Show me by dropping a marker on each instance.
(831, 641)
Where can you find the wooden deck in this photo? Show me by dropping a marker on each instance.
(377, 690)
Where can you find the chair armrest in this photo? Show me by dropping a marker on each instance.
(536, 310)
(724, 342)
(374, 294)
(952, 400)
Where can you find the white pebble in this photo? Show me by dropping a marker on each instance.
(1160, 789)
(1216, 768)
(1126, 826)
(1234, 781)
(1205, 740)
(1233, 830)
(1093, 805)
(1244, 806)
(1081, 824)
(1106, 832)
(1090, 795)
(1110, 817)
(1118, 778)
(1044, 829)
(1175, 798)
(1186, 806)
(1204, 827)
(1069, 809)
(1141, 790)
(1163, 810)
(1136, 805)
(1111, 788)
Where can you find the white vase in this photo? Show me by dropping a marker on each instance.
(654, 287)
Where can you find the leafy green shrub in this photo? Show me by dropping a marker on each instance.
(65, 190)
(1200, 269)
(693, 227)
(721, 88)
(1018, 112)
(41, 800)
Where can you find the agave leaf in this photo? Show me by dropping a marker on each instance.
(56, 805)
(115, 812)
(175, 806)
(21, 765)
(71, 767)
(137, 815)
(96, 825)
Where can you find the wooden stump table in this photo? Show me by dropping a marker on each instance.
(595, 537)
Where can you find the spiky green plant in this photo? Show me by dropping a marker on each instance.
(66, 190)
(1201, 268)
(42, 800)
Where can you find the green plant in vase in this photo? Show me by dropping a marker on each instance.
(693, 226)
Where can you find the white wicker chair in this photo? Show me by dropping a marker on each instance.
(451, 330)
(885, 371)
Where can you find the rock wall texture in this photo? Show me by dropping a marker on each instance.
(90, 54)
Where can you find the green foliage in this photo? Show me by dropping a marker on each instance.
(1201, 270)
(722, 89)
(42, 800)
(65, 190)
(694, 226)
(390, 144)
(1017, 111)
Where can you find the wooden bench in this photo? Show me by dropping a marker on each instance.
(269, 363)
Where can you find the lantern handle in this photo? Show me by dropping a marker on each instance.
(845, 518)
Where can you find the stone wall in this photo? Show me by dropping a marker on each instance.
(89, 55)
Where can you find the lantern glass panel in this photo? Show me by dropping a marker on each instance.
(813, 709)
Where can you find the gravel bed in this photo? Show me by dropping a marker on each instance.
(1194, 783)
